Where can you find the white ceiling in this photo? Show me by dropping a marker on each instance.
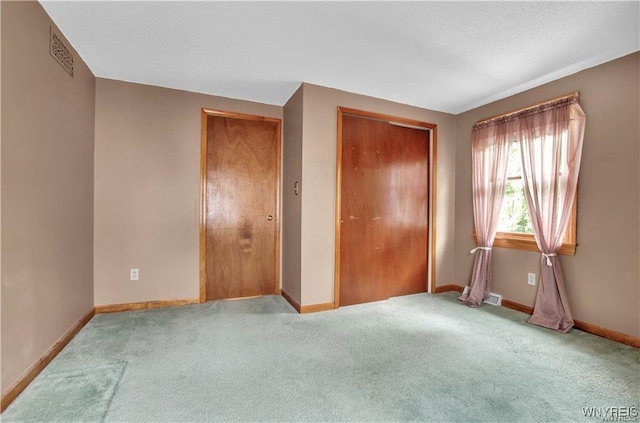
(446, 56)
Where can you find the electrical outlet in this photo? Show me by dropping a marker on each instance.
(134, 274)
(531, 279)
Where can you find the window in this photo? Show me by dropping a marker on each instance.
(552, 134)
(514, 227)
(514, 216)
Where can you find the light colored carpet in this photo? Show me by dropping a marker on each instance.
(415, 358)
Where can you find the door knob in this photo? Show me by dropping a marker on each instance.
(269, 218)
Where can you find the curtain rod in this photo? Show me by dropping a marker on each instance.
(522, 109)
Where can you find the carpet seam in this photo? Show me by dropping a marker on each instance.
(116, 388)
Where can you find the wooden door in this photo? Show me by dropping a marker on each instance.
(384, 192)
(407, 197)
(241, 206)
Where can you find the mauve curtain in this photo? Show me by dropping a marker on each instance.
(490, 145)
(551, 146)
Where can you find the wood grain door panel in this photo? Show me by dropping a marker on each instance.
(407, 196)
(362, 226)
(384, 210)
(234, 270)
(241, 218)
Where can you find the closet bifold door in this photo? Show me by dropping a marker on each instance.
(384, 199)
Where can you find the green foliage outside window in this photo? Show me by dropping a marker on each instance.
(514, 216)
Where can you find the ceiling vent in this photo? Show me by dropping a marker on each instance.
(493, 299)
(60, 51)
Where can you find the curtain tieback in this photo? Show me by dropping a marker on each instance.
(480, 248)
(547, 257)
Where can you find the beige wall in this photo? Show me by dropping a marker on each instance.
(291, 203)
(603, 278)
(319, 184)
(47, 190)
(147, 188)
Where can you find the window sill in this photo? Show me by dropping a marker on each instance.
(526, 242)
